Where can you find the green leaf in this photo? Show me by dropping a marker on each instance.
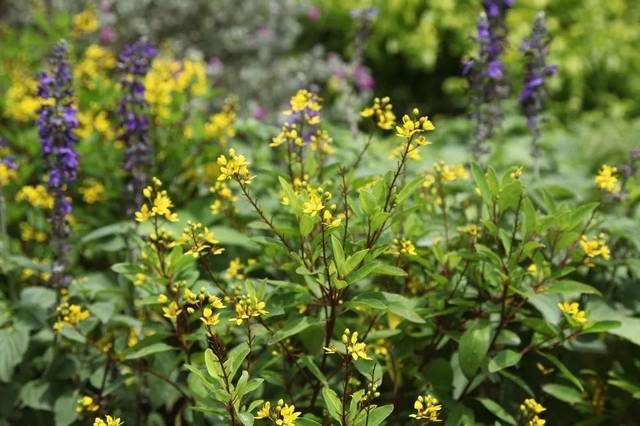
(378, 415)
(338, 255)
(149, 350)
(569, 286)
(563, 393)
(64, 409)
(36, 394)
(481, 183)
(291, 328)
(14, 342)
(354, 260)
(473, 347)
(385, 269)
(103, 310)
(601, 327)
(235, 358)
(213, 365)
(409, 189)
(564, 370)
(403, 307)
(497, 410)
(305, 421)
(333, 403)
(504, 359)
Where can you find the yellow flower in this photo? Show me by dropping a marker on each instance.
(247, 307)
(354, 348)
(85, 22)
(427, 408)
(516, 173)
(171, 311)
(472, 230)
(594, 248)
(234, 166)
(264, 412)
(92, 191)
(451, 173)
(160, 206)
(306, 103)
(7, 174)
(607, 180)
(573, 310)
(403, 246)
(382, 112)
(108, 421)
(221, 125)
(37, 196)
(209, 318)
(69, 315)
(532, 269)
(411, 126)
(530, 405)
(199, 239)
(139, 278)
(21, 100)
(87, 403)
(162, 298)
(235, 269)
(132, 340)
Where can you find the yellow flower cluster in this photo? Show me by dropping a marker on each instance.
(427, 408)
(28, 233)
(96, 61)
(224, 196)
(108, 421)
(7, 174)
(282, 414)
(95, 123)
(594, 248)
(85, 22)
(472, 230)
(382, 113)
(172, 310)
(27, 273)
(412, 126)
(451, 173)
(306, 103)
(531, 409)
(36, 195)
(87, 404)
(247, 307)
(221, 125)
(69, 314)
(168, 77)
(607, 180)
(236, 269)
(21, 100)
(402, 246)
(353, 348)
(199, 239)
(234, 166)
(159, 201)
(314, 204)
(573, 310)
(92, 191)
(288, 134)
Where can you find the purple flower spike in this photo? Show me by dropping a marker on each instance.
(134, 63)
(57, 119)
(533, 93)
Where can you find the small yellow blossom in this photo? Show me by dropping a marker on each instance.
(234, 166)
(221, 125)
(411, 126)
(530, 409)
(607, 180)
(70, 315)
(132, 339)
(209, 318)
(450, 173)
(516, 173)
(85, 22)
(171, 311)
(247, 307)
(264, 412)
(162, 298)
(92, 191)
(307, 104)
(353, 347)
(403, 246)
(532, 270)
(139, 278)
(88, 404)
(427, 408)
(594, 248)
(471, 229)
(573, 310)
(108, 421)
(199, 239)
(382, 112)
(160, 204)
(36, 195)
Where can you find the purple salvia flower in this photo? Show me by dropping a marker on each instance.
(134, 62)
(533, 93)
(486, 74)
(57, 119)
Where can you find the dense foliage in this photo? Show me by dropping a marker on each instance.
(168, 256)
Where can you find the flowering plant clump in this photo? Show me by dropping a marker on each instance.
(227, 271)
